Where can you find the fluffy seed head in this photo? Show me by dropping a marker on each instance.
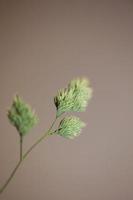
(74, 98)
(70, 127)
(21, 116)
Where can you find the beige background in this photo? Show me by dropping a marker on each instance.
(43, 45)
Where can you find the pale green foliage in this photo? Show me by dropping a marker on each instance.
(70, 127)
(73, 98)
(22, 116)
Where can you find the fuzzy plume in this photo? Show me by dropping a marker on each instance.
(70, 127)
(21, 116)
(74, 98)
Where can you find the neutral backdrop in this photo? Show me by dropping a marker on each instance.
(43, 45)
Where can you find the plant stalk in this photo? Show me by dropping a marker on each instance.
(21, 147)
(22, 157)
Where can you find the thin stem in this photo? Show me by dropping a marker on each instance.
(21, 147)
(22, 157)
(40, 139)
(34, 145)
(10, 177)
